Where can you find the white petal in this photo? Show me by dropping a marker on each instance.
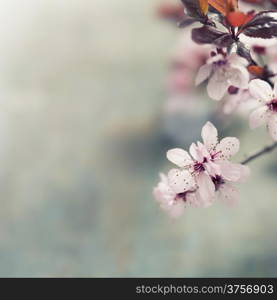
(177, 209)
(179, 157)
(230, 171)
(203, 73)
(258, 117)
(194, 200)
(239, 77)
(199, 151)
(202, 149)
(235, 59)
(260, 89)
(181, 181)
(272, 126)
(212, 168)
(163, 193)
(217, 86)
(163, 178)
(209, 135)
(228, 194)
(193, 150)
(231, 104)
(206, 188)
(227, 147)
(244, 173)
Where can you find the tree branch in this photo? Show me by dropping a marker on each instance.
(260, 153)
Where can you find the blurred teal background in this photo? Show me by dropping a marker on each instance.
(83, 137)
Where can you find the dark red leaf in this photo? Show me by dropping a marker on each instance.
(262, 32)
(261, 19)
(210, 35)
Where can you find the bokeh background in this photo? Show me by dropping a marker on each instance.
(83, 134)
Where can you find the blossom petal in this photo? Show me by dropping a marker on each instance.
(212, 168)
(202, 149)
(209, 135)
(179, 157)
(194, 200)
(163, 193)
(258, 117)
(239, 77)
(272, 126)
(203, 73)
(176, 210)
(228, 194)
(244, 173)
(195, 153)
(199, 152)
(230, 171)
(181, 181)
(166, 198)
(228, 147)
(217, 86)
(206, 188)
(235, 59)
(260, 89)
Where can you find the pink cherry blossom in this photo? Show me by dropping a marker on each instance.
(266, 112)
(186, 60)
(196, 167)
(237, 101)
(226, 192)
(207, 160)
(223, 71)
(205, 172)
(176, 191)
(211, 156)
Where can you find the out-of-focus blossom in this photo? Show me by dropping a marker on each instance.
(223, 71)
(180, 79)
(262, 47)
(237, 101)
(185, 63)
(170, 11)
(226, 191)
(267, 110)
(176, 191)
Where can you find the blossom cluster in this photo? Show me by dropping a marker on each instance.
(239, 70)
(204, 174)
(232, 68)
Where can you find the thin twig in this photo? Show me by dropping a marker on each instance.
(260, 153)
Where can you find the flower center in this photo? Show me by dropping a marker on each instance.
(273, 105)
(220, 63)
(181, 196)
(218, 181)
(215, 155)
(198, 167)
